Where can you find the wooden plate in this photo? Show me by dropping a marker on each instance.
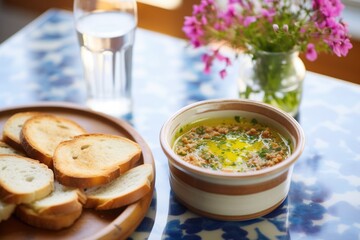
(112, 224)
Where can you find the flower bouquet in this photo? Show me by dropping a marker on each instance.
(272, 33)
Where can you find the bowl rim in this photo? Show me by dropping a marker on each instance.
(174, 159)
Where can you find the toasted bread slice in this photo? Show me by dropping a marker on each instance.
(6, 209)
(41, 134)
(94, 159)
(13, 126)
(48, 221)
(23, 180)
(7, 149)
(61, 201)
(126, 189)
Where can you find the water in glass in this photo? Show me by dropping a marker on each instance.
(106, 42)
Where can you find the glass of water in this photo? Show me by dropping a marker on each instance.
(106, 33)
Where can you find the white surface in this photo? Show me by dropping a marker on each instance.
(230, 205)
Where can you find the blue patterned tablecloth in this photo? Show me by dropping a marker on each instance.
(41, 63)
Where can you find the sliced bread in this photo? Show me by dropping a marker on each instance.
(41, 134)
(58, 210)
(23, 180)
(62, 200)
(6, 149)
(6, 209)
(48, 221)
(126, 189)
(94, 159)
(13, 126)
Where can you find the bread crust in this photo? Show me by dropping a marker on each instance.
(97, 178)
(64, 207)
(103, 203)
(33, 152)
(7, 149)
(117, 202)
(85, 182)
(8, 135)
(17, 198)
(12, 196)
(12, 143)
(48, 221)
(6, 210)
(29, 142)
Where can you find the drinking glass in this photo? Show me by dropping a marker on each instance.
(106, 34)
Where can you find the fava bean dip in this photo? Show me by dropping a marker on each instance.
(235, 144)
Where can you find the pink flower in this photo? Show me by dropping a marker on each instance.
(220, 26)
(311, 53)
(338, 39)
(231, 11)
(207, 59)
(193, 30)
(207, 2)
(342, 47)
(338, 30)
(204, 20)
(230, 15)
(326, 23)
(198, 9)
(227, 61)
(329, 8)
(191, 26)
(226, 18)
(235, 1)
(275, 27)
(189, 21)
(196, 43)
(222, 58)
(268, 25)
(268, 13)
(285, 28)
(249, 20)
(223, 73)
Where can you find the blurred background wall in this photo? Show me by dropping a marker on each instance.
(166, 16)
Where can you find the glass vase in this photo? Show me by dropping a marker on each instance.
(275, 78)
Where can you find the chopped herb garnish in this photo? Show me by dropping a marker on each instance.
(262, 153)
(200, 130)
(232, 144)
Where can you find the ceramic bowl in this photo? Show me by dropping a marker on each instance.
(231, 195)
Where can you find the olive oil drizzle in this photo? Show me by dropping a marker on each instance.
(233, 144)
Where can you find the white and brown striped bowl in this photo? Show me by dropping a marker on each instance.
(225, 195)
